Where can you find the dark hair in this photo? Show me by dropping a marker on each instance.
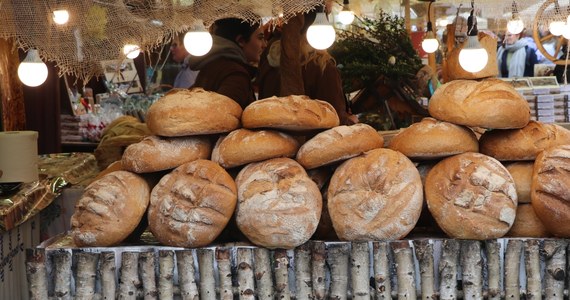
(231, 28)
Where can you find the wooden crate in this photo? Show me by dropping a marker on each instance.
(407, 269)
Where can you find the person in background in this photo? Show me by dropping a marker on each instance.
(228, 68)
(320, 75)
(186, 76)
(515, 58)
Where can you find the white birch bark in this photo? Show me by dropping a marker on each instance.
(424, 254)
(471, 265)
(555, 259)
(448, 264)
(512, 269)
(245, 274)
(207, 277)
(165, 274)
(282, 290)
(360, 270)
(318, 271)
(381, 256)
(186, 275)
(532, 265)
(129, 281)
(36, 274)
(493, 250)
(303, 283)
(225, 273)
(337, 260)
(405, 271)
(86, 274)
(62, 274)
(107, 268)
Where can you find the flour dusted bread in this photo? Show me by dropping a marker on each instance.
(527, 223)
(433, 139)
(184, 112)
(521, 171)
(295, 112)
(110, 209)
(190, 206)
(377, 195)
(471, 196)
(243, 146)
(279, 206)
(524, 143)
(489, 103)
(155, 153)
(338, 143)
(550, 190)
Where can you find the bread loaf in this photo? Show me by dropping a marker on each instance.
(550, 196)
(524, 143)
(377, 195)
(190, 206)
(522, 175)
(193, 112)
(243, 146)
(290, 113)
(279, 206)
(338, 143)
(155, 153)
(109, 210)
(490, 103)
(527, 224)
(471, 196)
(433, 139)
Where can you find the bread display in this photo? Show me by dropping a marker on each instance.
(377, 195)
(295, 112)
(471, 196)
(243, 146)
(433, 139)
(490, 103)
(193, 112)
(527, 223)
(550, 196)
(279, 206)
(109, 210)
(190, 206)
(524, 143)
(155, 153)
(521, 172)
(338, 143)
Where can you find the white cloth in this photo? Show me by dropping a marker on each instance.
(518, 59)
(186, 76)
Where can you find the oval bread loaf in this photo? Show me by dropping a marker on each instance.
(527, 224)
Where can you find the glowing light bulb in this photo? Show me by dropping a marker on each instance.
(473, 57)
(198, 42)
(32, 71)
(131, 50)
(556, 28)
(60, 16)
(515, 25)
(430, 43)
(346, 17)
(321, 34)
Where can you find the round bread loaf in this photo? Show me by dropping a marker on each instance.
(155, 153)
(527, 223)
(190, 206)
(490, 103)
(109, 210)
(377, 195)
(243, 146)
(338, 143)
(524, 143)
(295, 112)
(521, 172)
(184, 112)
(550, 190)
(471, 196)
(279, 206)
(432, 139)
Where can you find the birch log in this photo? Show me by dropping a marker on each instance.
(207, 277)
(337, 260)
(471, 266)
(12, 107)
(555, 259)
(318, 272)
(263, 274)
(493, 250)
(424, 254)
(532, 265)
(303, 283)
(245, 274)
(512, 269)
(381, 256)
(148, 275)
(405, 273)
(36, 274)
(225, 273)
(282, 290)
(86, 274)
(448, 269)
(360, 270)
(129, 278)
(186, 275)
(62, 274)
(165, 274)
(107, 268)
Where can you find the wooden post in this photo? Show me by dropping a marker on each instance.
(471, 266)
(360, 270)
(282, 274)
(129, 279)
(107, 268)
(532, 265)
(148, 276)
(424, 254)
(86, 274)
(165, 274)
(555, 259)
(36, 274)
(493, 250)
(405, 271)
(62, 273)
(225, 273)
(512, 269)
(337, 259)
(245, 274)
(448, 269)
(12, 109)
(186, 277)
(263, 274)
(381, 256)
(207, 279)
(303, 283)
(318, 273)
(407, 16)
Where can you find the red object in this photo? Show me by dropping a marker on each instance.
(417, 38)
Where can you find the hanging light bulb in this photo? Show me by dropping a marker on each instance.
(321, 34)
(198, 41)
(32, 71)
(131, 50)
(430, 43)
(473, 57)
(346, 16)
(60, 16)
(515, 24)
(556, 26)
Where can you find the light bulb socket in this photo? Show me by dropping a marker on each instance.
(33, 56)
(473, 43)
(472, 25)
